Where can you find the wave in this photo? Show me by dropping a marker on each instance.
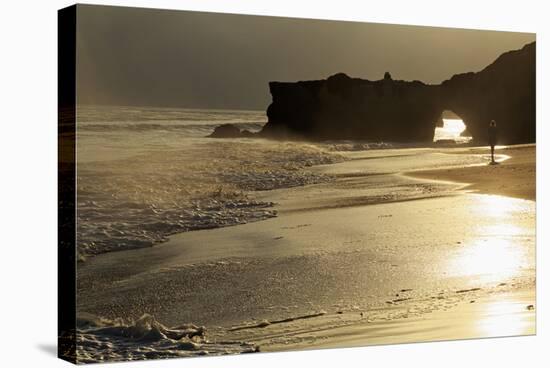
(100, 339)
(204, 128)
(130, 225)
(141, 179)
(129, 114)
(344, 146)
(349, 146)
(140, 201)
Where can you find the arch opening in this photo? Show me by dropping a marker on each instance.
(451, 129)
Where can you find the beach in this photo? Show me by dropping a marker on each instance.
(232, 184)
(514, 177)
(361, 246)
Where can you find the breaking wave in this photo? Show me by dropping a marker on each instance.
(170, 184)
(191, 130)
(185, 122)
(99, 339)
(147, 173)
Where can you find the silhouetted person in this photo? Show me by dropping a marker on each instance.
(492, 135)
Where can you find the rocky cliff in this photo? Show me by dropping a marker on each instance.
(341, 107)
(504, 91)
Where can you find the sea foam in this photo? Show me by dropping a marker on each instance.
(139, 201)
(99, 339)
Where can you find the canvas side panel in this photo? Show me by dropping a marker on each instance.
(66, 292)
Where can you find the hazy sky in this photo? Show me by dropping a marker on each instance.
(132, 56)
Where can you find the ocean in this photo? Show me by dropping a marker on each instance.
(144, 173)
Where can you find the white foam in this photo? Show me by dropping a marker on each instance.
(136, 187)
(99, 339)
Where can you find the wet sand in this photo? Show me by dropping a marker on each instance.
(515, 177)
(374, 257)
(501, 314)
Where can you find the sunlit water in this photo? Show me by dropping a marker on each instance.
(506, 317)
(392, 261)
(451, 130)
(498, 248)
(146, 173)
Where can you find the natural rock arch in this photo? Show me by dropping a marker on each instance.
(341, 107)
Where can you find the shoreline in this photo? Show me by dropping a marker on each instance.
(319, 255)
(515, 177)
(506, 313)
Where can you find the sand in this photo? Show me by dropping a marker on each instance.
(374, 257)
(514, 177)
(499, 314)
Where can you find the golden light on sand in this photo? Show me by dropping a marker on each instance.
(505, 318)
(497, 206)
(491, 258)
(493, 252)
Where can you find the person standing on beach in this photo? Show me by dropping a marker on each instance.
(492, 138)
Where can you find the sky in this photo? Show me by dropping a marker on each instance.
(146, 57)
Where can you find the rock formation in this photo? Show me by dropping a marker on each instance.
(503, 91)
(341, 107)
(226, 131)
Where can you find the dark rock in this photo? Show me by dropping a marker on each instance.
(342, 107)
(350, 108)
(226, 131)
(504, 91)
(231, 131)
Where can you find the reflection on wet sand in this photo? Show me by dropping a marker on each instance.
(506, 317)
(494, 258)
(493, 252)
(499, 207)
(384, 268)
